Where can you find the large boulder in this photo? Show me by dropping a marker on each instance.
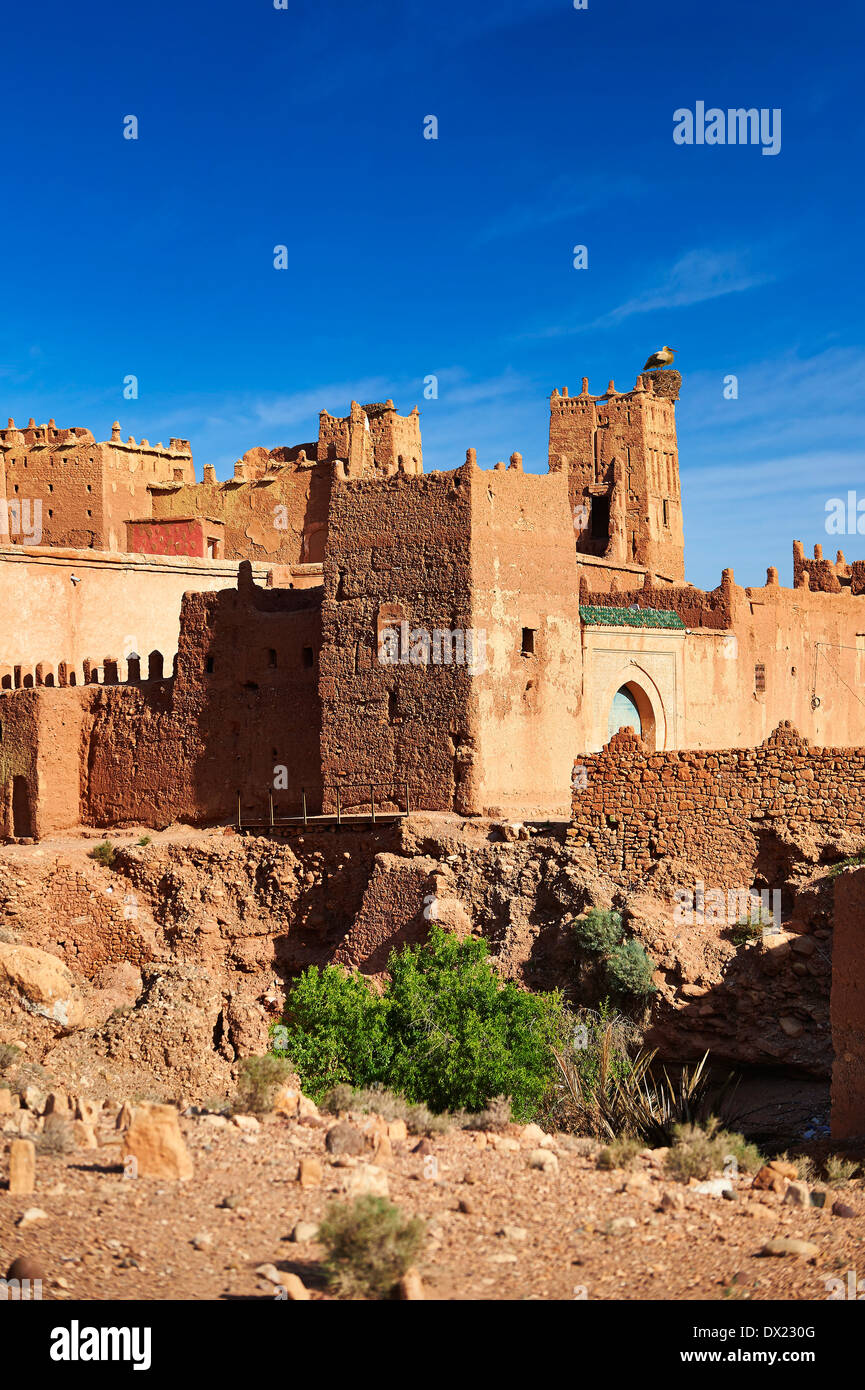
(154, 1144)
(42, 983)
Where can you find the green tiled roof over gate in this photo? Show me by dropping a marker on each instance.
(630, 617)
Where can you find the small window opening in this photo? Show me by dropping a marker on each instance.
(528, 641)
(600, 519)
(307, 656)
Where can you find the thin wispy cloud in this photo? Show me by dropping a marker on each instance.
(565, 199)
(696, 277)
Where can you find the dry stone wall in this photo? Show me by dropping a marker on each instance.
(633, 807)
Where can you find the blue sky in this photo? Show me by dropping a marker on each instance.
(453, 257)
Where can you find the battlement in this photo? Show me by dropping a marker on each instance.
(107, 670)
(655, 386)
(42, 436)
(824, 576)
(371, 439)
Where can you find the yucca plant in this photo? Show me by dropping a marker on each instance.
(635, 1102)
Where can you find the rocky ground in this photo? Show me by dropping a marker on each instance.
(514, 1214)
(147, 981)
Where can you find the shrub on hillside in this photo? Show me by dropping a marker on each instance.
(259, 1080)
(629, 970)
(103, 853)
(600, 930)
(369, 1245)
(699, 1151)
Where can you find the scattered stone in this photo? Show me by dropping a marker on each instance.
(773, 1177)
(31, 1216)
(423, 1146)
(397, 1131)
(503, 1143)
(544, 1160)
(367, 1180)
(383, 1151)
(714, 1187)
(46, 985)
(310, 1172)
(842, 1209)
(286, 1101)
(343, 1138)
(25, 1267)
(532, 1134)
(155, 1142)
(87, 1110)
(22, 1167)
(672, 1201)
(467, 1206)
(6, 1106)
(793, 1027)
(232, 1201)
(247, 1124)
(304, 1231)
(619, 1225)
(84, 1135)
(202, 1241)
(57, 1103)
(513, 1232)
(759, 1211)
(788, 1245)
(35, 1099)
(798, 1194)
(411, 1287)
(295, 1289)
(307, 1109)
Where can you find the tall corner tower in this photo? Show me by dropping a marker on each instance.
(622, 459)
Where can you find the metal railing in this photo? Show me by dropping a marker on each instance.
(341, 817)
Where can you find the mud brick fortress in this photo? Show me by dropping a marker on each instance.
(333, 618)
(168, 643)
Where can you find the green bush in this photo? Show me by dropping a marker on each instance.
(628, 970)
(8, 1054)
(103, 853)
(445, 1033)
(369, 1246)
(335, 1031)
(600, 930)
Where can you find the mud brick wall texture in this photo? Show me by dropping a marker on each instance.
(712, 807)
(244, 702)
(848, 1008)
(398, 552)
